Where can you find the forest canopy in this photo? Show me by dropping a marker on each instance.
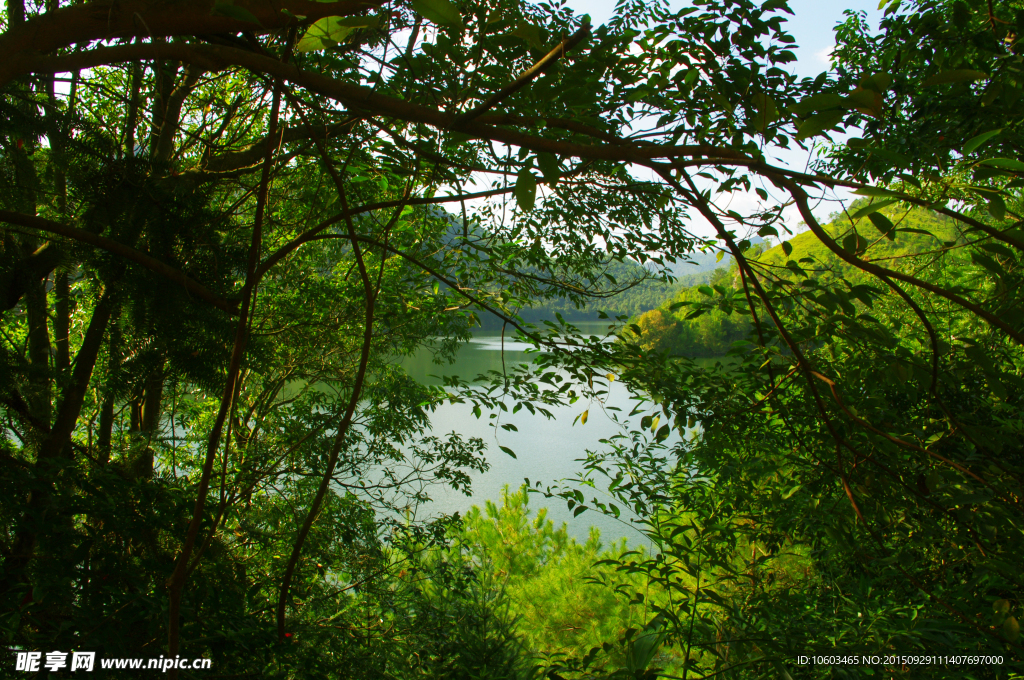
(225, 223)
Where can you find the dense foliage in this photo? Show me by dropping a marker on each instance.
(223, 225)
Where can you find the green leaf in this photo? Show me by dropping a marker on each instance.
(817, 102)
(819, 123)
(441, 12)
(910, 180)
(875, 191)
(324, 33)
(893, 157)
(873, 207)
(996, 207)
(226, 9)
(526, 190)
(865, 101)
(1005, 164)
(1011, 629)
(792, 491)
(772, 5)
(766, 111)
(548, 164)
(507, 450)
(884, 225)
(853, 243)
(974, 142)
(954, 76)
(529, 33)
(880, 82)
(787, 248)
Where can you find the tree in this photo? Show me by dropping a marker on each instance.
(247, 220)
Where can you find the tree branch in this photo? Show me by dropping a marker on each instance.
(526, 76)
(127, 19)
(121, 250)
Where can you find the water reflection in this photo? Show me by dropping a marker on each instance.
(546, 450)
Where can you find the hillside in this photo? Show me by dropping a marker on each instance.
(711, 334)
(917, 231)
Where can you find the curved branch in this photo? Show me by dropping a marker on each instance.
(526, 76)
(128, 19)
(802, 198)
(357, 98)
(311, 234)
(121, 250)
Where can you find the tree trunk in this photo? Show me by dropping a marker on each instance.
(105, 436)
(151, 403)
(53, 446)
(38, 390)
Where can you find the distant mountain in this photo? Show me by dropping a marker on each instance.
(706, 262)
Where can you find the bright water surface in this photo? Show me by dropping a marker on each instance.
(546, 450)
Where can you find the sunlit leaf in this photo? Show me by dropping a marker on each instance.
(328, 32)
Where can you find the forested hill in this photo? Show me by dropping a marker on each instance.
(917, 231)
(651, 292)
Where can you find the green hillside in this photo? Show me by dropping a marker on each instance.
(665, 328)
(916, 231)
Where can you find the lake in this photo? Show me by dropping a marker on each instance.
(546, 450)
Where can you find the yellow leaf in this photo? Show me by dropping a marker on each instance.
(1011, 629)
(583, 418)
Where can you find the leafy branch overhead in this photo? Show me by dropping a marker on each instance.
(225, 224)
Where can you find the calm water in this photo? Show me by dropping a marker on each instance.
(546, 450)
